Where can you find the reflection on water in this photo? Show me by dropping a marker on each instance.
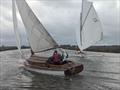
(102, 72)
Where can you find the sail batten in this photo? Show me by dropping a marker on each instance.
(38, 36)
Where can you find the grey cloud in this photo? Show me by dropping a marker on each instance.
(61, 19)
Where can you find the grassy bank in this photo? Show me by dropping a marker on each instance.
(111, 49)
(4, 48)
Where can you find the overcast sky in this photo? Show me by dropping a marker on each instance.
(61, 19)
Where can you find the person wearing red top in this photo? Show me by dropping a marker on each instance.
(56, 57)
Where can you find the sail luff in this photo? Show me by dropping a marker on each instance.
(38, 36)
(81, 13)
(81, 23)
(15, 25)
(79, 31)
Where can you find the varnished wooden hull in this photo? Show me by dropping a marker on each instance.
(38, 64)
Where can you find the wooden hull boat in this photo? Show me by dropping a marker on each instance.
(39, 65)
(41, 41)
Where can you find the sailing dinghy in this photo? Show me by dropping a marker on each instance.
(40, 42)
(90, 31)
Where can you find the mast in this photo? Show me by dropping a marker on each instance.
(81, 23)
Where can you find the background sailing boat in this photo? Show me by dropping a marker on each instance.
(90, 30)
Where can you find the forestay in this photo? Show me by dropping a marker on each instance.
(90, 31)
(39, 38)
(15, 24)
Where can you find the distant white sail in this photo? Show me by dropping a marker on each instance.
(15, 24)
(39, 38)
(91, 30)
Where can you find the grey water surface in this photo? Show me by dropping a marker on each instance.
(101, 72)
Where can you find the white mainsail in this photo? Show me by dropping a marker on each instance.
(90, 31)
(15, 25)
(39, 38)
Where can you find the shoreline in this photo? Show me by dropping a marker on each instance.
(107, 49)
(7, 48)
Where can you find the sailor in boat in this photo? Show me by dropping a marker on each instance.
(57, 58)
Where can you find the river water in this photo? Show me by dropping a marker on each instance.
(102, 72)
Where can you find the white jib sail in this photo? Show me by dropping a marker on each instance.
(39, 38)
(15, 25)
(91, 30)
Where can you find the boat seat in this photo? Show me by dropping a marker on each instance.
(36, 61)
(38, 58)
